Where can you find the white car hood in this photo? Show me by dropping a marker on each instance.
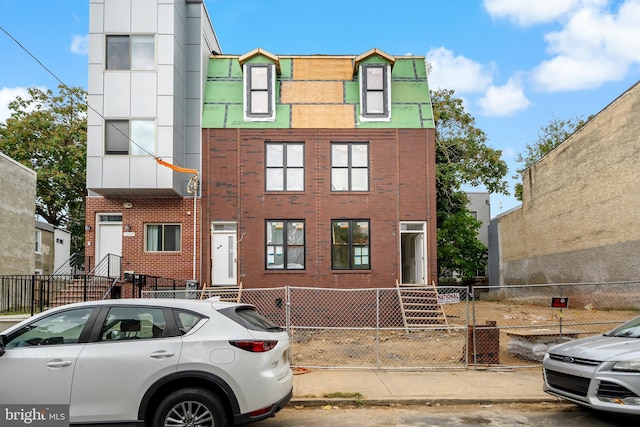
(600, 348)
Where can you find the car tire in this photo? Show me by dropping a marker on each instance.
(190, 407)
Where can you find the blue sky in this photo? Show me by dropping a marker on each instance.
(517, 64)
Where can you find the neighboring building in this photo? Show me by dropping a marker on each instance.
(17, 210)
(480, 207)
(148, 61)
(579, 218)
(315, 170)
(62, 248)
(45, 248)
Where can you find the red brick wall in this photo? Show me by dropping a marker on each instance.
(178, 265)
(402, 188)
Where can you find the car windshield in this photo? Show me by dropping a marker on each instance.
(631, 329)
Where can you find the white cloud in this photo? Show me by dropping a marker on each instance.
(457, 72)
(80, 44)
(504, 100)
(8, 94)
(528, 13)
(595, 46)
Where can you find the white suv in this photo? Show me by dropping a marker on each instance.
(149, 362)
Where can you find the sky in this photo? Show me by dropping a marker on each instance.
(516, 64)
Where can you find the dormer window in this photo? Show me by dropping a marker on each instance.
(375, 95)
(259, 100)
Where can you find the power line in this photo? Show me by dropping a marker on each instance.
(63, 84)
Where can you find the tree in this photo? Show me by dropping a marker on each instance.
(462, 158)
(48, 133)
(549, 137)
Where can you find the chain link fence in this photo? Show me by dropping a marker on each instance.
(478, 327)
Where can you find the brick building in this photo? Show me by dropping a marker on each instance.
(578, 219)
(313, 170)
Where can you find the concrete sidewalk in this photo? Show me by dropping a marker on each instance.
(383, 387)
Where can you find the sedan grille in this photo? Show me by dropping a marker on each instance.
(576, 360)
(569, 383)
(613, 390)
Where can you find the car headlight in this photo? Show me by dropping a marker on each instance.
(629, 366)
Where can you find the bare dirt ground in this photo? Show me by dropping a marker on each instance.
(445, 346)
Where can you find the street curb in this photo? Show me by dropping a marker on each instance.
(420, 401)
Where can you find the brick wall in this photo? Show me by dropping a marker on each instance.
(178, 265)
(400, 162)
(579, 217)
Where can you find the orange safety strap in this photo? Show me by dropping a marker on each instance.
(176, 168)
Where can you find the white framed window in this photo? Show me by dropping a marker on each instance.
(130, 137)
(38, 241)
(284, 166)
(163, 237)
(375, 92)
(125, 52)
(349, 166)
(285, 245)
(259, 92)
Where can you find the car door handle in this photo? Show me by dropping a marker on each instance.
(161, 354)
(58, 363)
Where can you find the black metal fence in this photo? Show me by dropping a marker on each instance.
(35, 293)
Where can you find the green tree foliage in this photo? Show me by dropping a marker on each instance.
(459, 249)
(48, 133)
(462, 159)
(549, 137)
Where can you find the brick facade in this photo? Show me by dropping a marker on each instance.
(234, 190)
(174, 265)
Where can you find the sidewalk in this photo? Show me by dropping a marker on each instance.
(383, 387)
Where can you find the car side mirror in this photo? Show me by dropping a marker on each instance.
(2, 344)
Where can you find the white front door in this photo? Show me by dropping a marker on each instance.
(109, 240)
(224, 259)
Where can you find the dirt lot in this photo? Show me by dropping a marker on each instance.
(445, 346)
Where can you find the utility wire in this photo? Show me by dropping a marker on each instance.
(70, 91)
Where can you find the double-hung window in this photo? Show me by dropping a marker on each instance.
(375, 92)
(349, 167)
(285, 166)
(285, 245)
(130, 137)
(126, 52)
(162, 237)
(259, 99)
(350, 245)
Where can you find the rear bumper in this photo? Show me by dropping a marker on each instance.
(277, 406)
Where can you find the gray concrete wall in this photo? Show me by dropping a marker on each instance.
(581, 203)
(17, 210)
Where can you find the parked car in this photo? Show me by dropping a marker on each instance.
(153, 362)
(600, 372)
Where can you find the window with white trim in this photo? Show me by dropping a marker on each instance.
(162, 237)
(38, 241)
(284, 166)
(130, 137)
(375, 97)
(125, 52)
(259, 99)
(285, 245)
(349, 166)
